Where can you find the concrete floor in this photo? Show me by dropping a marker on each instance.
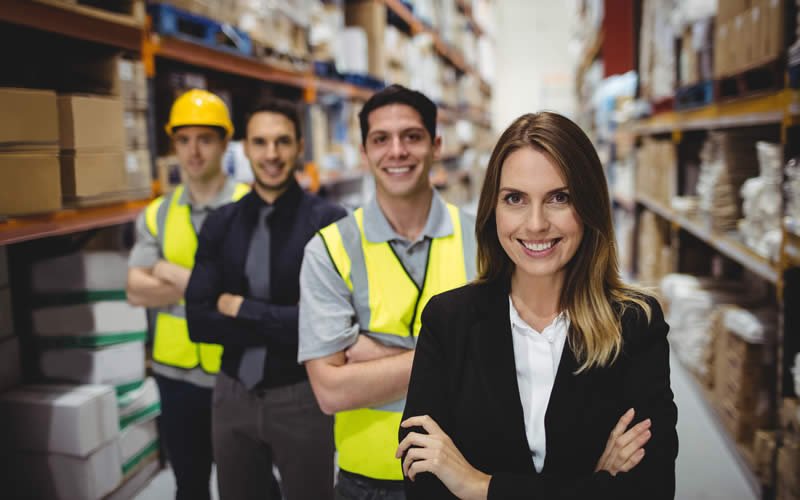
(707, 467)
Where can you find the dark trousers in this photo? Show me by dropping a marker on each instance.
(354, 487)
(282, 425)
(186, 432)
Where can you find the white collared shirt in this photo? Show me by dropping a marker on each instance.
(537, 356)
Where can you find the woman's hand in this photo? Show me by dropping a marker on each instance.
(624, 448)
(436, 453)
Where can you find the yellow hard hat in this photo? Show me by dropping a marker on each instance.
(199, 107)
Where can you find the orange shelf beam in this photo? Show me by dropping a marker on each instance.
(19, 229)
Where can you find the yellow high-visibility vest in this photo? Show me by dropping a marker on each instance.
(178, 240)
(366, 438)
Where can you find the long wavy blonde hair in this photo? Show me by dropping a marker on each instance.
(594, 295)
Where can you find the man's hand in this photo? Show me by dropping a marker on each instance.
(367, 349)
(229, 304)
(173, 274)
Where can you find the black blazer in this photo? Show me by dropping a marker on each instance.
(464, 377)
(223, 244)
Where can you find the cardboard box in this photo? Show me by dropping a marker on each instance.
(114, 365)
(64, 419)
(737, 44)
(137, 440)
(91, 174)
(720, 51)
(789, 469)
(140, 404)
(81, 272)
(764, 453)
(790, 417)
(370, 15)
(133, 84)
(6, 313)
(139, 169)
(65, 477)
(94, 320)
(728, 9)
(774, 30)
(30, 182)
(10, 367)
(135, 129)
(28, 117)
(90, 122)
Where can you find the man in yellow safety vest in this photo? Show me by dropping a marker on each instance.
(159, 268)
(364, 283)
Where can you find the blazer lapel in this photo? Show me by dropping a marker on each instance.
(563, 409)
(496, 352)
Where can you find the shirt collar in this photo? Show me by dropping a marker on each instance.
(551, 332)
(222, 197)
(289, 200)
(378, 230)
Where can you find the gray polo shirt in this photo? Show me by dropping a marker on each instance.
(147, 251)
(327, 316)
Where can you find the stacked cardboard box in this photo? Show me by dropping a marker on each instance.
(92, 148)
(88, 331)
(655, 252)
(370, 16)
(748, 33)
(743, 372)
(138, 165)
(696, 62)
(29, 172)
(788, 470)
(656, 162)
(60, 442)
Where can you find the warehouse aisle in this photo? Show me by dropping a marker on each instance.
(707, 469)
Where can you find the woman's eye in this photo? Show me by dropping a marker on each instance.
(513, 198)
(561, 197)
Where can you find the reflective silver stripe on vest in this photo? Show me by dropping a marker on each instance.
(351, 238)
(470, 245)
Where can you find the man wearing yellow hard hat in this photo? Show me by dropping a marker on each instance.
(159, 268)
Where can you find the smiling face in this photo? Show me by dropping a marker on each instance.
(273, 149)
(399, 151)
(199, 150)
(537, 224)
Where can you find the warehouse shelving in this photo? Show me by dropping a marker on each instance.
(75, 21)
(67, 221)
(723, 243)
(467, 10)
(765, 109)
(449, 53)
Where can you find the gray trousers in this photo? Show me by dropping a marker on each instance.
(253, 429)
(354, 487)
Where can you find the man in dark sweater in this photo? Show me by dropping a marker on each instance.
(244, 294)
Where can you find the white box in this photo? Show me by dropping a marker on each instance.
(10, 368)
(96, 270)
(139, 405)
(66, 477)
(136, 442)
(92, 324)
(6, 314)
(64, 419)
(114, 365)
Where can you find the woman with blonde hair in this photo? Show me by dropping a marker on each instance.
(548, 377)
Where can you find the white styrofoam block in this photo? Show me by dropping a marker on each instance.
(65, 477)
(96, 318)
(139, 405)
(115, 365)
(6, 316)
(3, 266)
(10, 369)
(64, 419)
(136, 439)
(95, 270)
